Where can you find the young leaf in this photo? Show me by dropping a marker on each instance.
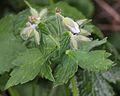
(29, 64)
(93, 84)
(65, 71)
(92, 61)
(9, 45)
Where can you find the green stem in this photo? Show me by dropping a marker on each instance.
(57, 43)
(33, 88)
(74, 87)
(13, 92)
(53, 91)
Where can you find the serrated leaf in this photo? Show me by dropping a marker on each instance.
(46, 71)
(93, 84)
(93, 60)
(29, 63)
(112, 75)
(9, 45)
(87, 46)
(65, 71)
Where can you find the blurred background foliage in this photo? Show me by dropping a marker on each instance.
(104, 13)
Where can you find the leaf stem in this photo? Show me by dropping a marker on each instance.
(74, 86)
(13, 92)
(33, 88)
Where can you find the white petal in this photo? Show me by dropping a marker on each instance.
(84, 21)
(82, 38)
(37, 37)
(33, 12)
(71, 25)
(84, 32)
(73, 42)
(43, 13)
(68, 21)
(80, 22)
(26, 32)
(33, 26)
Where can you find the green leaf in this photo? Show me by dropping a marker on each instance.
(92, 61)
(97, 31)
(9, 45)
(46, 71)
(29, 63)
(112, 75)
(87, 46)
(93, 84)
(65, 71)
(85, 6)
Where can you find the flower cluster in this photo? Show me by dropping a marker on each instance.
(30, 31)
(76, 33)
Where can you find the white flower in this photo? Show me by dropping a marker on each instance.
(71, 25)
(35, 13)
(74, 39)
(36, 17)
(30, 31)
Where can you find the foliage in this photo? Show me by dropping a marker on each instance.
(55, 60)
